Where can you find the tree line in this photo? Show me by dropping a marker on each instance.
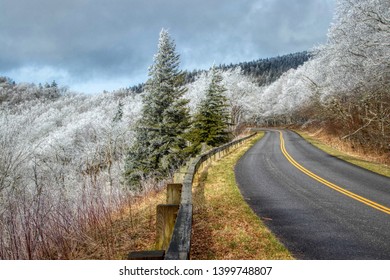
(262, 71)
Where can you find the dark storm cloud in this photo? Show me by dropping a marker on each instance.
(92, 39)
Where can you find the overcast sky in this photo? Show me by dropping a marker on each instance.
(96, 45)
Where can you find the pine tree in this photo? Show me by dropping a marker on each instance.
(212, 119)
(160, 141)
(119, 113)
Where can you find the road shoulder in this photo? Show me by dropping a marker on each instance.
(378, 168)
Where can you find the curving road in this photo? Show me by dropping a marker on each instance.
(318, 206)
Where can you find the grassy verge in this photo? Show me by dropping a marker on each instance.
(131, 229)
(224, 226)
(351, 158)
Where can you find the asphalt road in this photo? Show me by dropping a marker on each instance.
(318, 206)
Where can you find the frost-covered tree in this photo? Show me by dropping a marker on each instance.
(211, 122)
(160, 132)
(239, 88)
(358, 45)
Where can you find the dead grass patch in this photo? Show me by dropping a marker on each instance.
(131, 229)
(340, 149)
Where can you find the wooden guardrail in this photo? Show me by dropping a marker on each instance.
(174, 219)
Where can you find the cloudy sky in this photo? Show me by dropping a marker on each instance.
(96, 45)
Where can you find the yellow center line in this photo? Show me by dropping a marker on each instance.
(329, 184)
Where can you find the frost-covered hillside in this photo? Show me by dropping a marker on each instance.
(61, 156)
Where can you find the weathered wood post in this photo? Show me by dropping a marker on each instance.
(174, 193)
(166, 218)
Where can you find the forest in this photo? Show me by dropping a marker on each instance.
(69, 160)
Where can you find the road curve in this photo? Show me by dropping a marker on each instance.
(318, 206)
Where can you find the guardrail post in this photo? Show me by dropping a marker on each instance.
(174, 193)
(166, 218)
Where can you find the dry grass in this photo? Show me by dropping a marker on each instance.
(338, 148)
(225, 227)
(131, 229)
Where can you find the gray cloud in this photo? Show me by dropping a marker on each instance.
(101, 39)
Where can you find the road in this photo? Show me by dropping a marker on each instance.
(318, 206)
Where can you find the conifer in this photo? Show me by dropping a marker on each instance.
(211, 122)
(160, 133)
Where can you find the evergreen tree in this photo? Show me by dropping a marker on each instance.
(212, 119)
(160, 133)
(119, 113)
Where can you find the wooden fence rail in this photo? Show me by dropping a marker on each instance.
(174, 219)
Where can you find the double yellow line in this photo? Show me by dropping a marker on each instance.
(329, 184)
